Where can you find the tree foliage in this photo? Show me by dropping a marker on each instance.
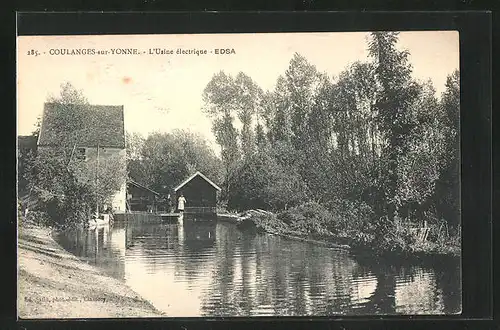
(26, 155)
(166, 159)
(447, 192)
(396, 92)
(263, 181)
(372, 136)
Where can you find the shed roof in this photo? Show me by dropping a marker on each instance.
(132, 182)
(85, 125)
(198, 173)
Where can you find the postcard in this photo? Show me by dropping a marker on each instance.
(239, 175)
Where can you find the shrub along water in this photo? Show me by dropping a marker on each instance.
(354, 227)
(63, 205)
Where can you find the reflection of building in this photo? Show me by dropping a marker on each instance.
(197, 235)
(141, 198)
(90, 130)
(200, 194)
(118, 241)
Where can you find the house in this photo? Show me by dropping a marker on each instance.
(91, 131)
(200, 193)
(141, 198)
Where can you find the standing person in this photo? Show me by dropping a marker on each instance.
(180, 203)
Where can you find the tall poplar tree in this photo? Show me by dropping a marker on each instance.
(220, 98)
(396, 93)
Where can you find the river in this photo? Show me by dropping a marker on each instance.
(211, 268)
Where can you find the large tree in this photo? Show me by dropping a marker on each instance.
(396, 92)
(135, 167)
(372, 135)
(419, 168)
(262, 181)
(301, 81)
(168, 158)
(220, 104)
(277, 106)
(248, 98)
(447, 193)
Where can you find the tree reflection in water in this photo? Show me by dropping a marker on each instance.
(281, 277)
(97, 247)
(264, 274)
(221, 271)
(450, 286)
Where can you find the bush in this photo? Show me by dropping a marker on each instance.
(357, 225)
(392, 236)
(65, 191)
(270, 223)
(440, 241)
(262, 182)
(36, 217)
(78, 202)
(308, 219)
(69, 205)
(353, 219)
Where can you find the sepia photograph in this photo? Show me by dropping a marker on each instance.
(238, 175)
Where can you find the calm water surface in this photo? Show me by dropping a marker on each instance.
(203, 268)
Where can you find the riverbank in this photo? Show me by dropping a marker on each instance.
(52, 283)
(236, 219)
(422, 252)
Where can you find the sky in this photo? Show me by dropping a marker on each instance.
(164, 92)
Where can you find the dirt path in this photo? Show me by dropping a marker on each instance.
(52, 283)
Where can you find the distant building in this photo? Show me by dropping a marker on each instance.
(87, 127)
(141, 198)
(200, 193)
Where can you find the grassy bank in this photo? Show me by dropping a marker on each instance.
(53, 283)
(384, 239)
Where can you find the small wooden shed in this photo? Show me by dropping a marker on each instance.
(200, 194)
(141, 198)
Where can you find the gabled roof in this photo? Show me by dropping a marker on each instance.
(84, 125)
(130, 181)
(195, 175)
